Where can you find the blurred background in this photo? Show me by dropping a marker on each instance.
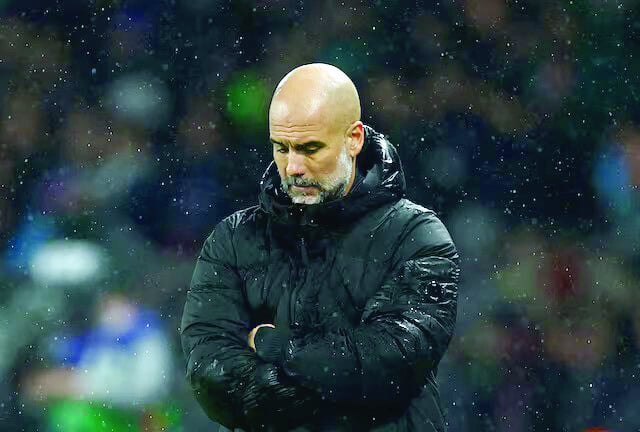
(128, 129)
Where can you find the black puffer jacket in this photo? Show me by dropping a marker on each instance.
(362, 292)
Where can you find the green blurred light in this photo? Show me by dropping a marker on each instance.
(247, 99)
(83, 416)
(68, 415)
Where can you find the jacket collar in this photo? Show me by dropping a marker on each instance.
(383, 182)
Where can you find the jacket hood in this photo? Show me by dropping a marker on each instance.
(383, 182)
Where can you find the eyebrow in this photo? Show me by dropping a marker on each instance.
(302, 146)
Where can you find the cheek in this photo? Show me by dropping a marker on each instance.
(328, 165)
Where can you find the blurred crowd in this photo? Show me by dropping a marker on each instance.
(128, 129)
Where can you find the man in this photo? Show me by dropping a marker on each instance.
(329, 305)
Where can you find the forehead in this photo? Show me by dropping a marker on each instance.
(299, 120)
(290, 132)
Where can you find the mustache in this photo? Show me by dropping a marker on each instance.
(301, 182)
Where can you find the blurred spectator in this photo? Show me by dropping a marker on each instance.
(114, 375)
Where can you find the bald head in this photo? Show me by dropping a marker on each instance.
(315, 93)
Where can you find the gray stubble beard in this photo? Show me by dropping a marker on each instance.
(333, 188)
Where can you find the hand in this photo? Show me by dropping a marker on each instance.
(253, 332)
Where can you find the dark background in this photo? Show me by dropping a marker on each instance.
(128, 129)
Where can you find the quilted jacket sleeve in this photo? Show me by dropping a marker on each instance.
(402, 335)
(234, 387)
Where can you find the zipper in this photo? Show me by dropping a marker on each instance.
(303, 251)
(300, 271)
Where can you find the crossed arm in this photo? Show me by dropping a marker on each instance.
(404, 331)
(234, 387)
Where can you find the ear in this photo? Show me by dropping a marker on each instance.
(355, 137)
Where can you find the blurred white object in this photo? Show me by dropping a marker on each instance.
(141, 98)
(128, 376)
(123, 360)
(127, 359)
(69, 262)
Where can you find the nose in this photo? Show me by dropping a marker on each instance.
(295, 164)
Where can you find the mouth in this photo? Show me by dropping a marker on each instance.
(303, 188)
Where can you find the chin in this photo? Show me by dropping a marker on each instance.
(305, 199)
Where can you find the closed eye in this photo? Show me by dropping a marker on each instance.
(308, 150)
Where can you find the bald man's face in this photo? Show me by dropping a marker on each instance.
(316, 133)
(313, 161)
